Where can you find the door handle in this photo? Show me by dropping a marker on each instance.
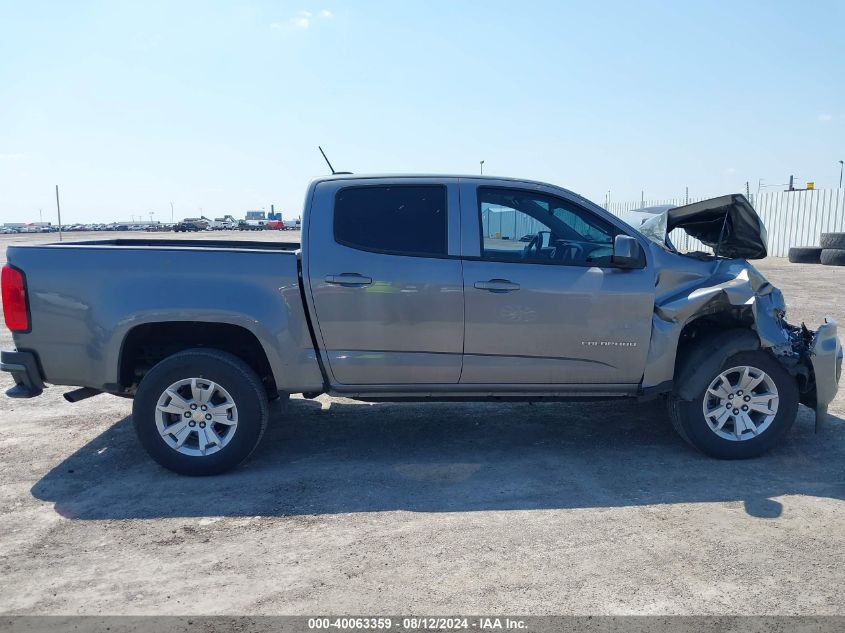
(350, 280)
(497, 285)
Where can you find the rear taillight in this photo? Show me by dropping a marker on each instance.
(14, 299)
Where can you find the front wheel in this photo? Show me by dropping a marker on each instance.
(744, 409)
(200, 412)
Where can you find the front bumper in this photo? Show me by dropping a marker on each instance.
(24, 369)
(826, 357)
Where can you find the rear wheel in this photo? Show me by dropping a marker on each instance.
(200, 412)
(743, 410)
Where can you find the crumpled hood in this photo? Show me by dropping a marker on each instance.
(731, 218)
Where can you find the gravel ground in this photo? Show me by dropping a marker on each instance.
(425, 509)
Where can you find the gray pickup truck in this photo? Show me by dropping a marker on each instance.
(422, 288)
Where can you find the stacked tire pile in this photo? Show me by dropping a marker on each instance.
(831, 251)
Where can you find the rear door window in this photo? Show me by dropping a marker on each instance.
(398, 220)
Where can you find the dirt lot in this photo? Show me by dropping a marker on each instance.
(425, 509)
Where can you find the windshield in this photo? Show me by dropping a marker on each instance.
(651, 222)
(655, 229)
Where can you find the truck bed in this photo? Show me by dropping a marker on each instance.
(86, 297)
(167, 243)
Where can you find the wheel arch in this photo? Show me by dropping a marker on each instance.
(702, 338)
(703, 355)
(670, 344)
(148, 343)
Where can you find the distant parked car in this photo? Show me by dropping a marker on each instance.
(251, 225)
(188, 226)
(222, 225)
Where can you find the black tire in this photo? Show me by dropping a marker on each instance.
(805, 255)
(229, 372)
(833, 257)
(690, 423)
(832, 240)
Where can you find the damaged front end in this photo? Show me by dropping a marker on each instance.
(735, 293)
(819, 355)
(700, 292)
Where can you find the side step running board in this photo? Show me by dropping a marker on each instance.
(80, 394)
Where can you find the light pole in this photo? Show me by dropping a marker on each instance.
(151, 216)
(481, 163)
(59, 212)
(841, 165)
(171, 213)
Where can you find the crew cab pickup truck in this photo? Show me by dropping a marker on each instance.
(422, 288)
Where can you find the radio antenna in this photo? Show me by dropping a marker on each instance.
(326, 158)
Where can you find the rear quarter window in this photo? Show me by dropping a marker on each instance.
(398, 220)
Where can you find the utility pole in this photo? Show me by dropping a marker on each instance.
(59, 211)
(481, 163)
(747, 190)
(151, 216)
(841, 165)
(642, 199)
(171, 213)
(686, 196)
(40, 217)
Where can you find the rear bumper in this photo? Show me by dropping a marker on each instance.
(24, 369)
(826, 357)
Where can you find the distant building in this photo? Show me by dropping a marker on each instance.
(256, 215)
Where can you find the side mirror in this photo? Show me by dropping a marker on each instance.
(627, 252)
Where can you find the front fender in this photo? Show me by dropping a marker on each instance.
(706, 289)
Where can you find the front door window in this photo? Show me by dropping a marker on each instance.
(520, 226)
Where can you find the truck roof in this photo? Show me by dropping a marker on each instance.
(349, 176)
(343, 176)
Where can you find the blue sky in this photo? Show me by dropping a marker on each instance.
(220, 105)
